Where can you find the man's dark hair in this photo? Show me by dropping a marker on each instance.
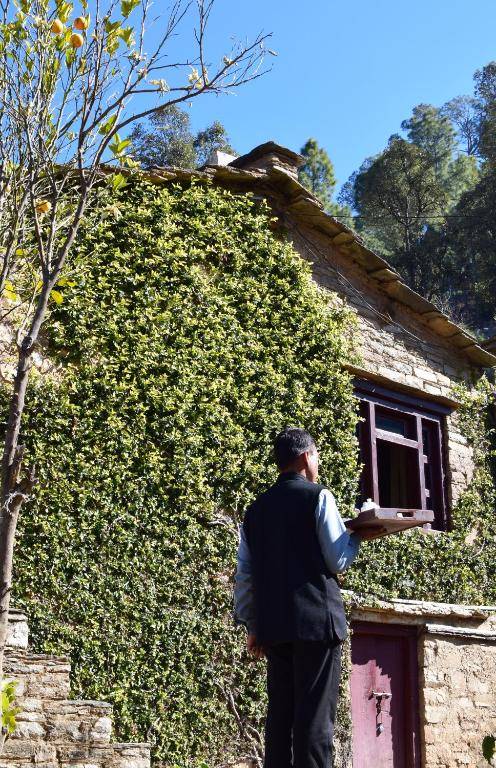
(291, 443)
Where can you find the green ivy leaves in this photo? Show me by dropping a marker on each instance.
(9, 710)
(183, 345)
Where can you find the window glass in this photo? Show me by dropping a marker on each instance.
(392, 421)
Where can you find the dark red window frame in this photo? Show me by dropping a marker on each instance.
(391, 421)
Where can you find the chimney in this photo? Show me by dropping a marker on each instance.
(220, 158)
(270, 155)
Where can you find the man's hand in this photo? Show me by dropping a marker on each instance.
(253, 648)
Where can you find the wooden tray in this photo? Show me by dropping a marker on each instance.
(383, 521)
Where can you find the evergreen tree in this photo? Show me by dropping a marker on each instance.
(317, 174)
(167, 140)
(431, 129)
(485, 93)
(396, 194)
(464, 113)
(405, 196)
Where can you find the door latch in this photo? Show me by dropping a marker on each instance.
(380, 696)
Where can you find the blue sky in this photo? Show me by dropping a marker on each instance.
(347, 73)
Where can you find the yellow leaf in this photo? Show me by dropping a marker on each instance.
(9, 291)
(57, 297)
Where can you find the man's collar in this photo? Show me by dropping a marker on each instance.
(285, 476)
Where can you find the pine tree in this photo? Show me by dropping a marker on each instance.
(317, 174)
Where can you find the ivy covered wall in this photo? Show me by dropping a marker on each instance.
(191, 335)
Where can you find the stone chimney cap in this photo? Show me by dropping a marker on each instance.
(267, 155)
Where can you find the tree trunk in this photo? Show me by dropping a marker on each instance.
(8, 524)
(14, 489)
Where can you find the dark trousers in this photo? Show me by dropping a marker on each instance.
(302, 684)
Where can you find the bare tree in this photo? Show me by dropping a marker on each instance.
(67, 92)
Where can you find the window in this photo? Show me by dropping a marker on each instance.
(401, 448)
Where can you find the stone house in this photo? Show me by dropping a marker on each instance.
(423, 682)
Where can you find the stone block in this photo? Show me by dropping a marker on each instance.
(435, 714)
(101, 730)
(424, 374)
(435, 696)
(480, 686)
(434, 678)
(432, 389)
(464, 703)
(28, 730)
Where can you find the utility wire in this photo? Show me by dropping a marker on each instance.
(427, 216)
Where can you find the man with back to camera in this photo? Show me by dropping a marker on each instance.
(293, 542)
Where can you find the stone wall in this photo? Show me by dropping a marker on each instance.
(457, 677)
(458, 685)
(53, 730)
(396, 348)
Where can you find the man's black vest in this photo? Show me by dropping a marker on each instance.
(296, 595)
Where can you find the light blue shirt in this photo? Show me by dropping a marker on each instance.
(339, 549)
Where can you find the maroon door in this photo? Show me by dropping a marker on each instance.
(384, 696)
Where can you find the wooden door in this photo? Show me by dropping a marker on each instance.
(384, 696)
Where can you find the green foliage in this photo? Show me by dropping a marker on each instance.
(188, 334)
(317, 175)
(166, 140)
(9, 710)
(396, 194)
(433, 131)
(464, 113)
(212, 138)
(485, 93)
(470, 239)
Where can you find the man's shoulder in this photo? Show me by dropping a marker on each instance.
(294, 485)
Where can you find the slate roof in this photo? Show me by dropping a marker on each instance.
(271, 170)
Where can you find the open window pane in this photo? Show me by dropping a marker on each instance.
(397, 468)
